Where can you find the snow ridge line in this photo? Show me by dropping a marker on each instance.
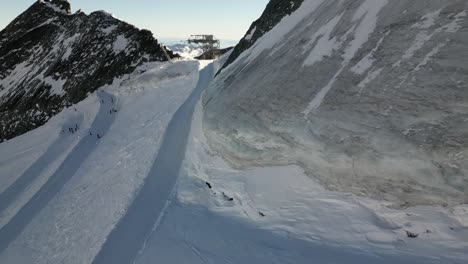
(128, 237)
(55, 183)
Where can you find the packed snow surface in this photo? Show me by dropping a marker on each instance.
(68, 190)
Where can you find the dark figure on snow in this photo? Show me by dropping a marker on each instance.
(98, 136)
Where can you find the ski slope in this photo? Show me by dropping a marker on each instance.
(151, 190)
(55, 183)
(65, 213)
(130, 234)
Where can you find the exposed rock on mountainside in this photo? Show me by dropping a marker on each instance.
(50, 59)
(368, 96)
(274, 12)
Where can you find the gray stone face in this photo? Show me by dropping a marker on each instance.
(368, 97)
(274, 12)
(50, 59)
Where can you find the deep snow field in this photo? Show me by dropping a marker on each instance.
(261, 215)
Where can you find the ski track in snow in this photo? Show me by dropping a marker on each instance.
(57, 148)
(61, 176)
(128, 238)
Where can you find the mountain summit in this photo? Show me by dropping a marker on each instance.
(58, 5)
(51, 59)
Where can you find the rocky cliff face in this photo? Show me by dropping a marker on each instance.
(50, 59)
(368, 96)
(274, 12)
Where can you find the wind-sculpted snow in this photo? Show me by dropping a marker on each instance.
(367, 96)
(274, 12)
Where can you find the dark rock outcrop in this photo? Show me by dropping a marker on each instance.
(51, 59)
(274, 12)
(58, 5)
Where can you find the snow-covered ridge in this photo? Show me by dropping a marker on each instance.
(49, 61)
(59, 6)
(367, 97)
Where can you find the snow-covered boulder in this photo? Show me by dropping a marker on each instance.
(367, 96)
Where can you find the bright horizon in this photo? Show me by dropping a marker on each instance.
(168, 20)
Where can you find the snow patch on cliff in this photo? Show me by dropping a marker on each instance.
(367, 13)
(120, 44)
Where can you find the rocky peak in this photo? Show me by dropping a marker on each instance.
(274, 12)
(51, 59)
(62, 6)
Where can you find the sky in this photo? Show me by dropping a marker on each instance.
(228, 20)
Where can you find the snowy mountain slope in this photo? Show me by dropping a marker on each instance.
(50, 59)
(274, 12)
(368, 97)
(219, 214)
(54, 144)
(127, 239)
(79, 209)
(279, 215)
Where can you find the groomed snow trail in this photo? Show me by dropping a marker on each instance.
(56, 149)
(129, 235)
(59, 178)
